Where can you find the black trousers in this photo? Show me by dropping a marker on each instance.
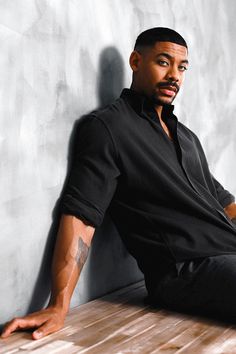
(204, 286)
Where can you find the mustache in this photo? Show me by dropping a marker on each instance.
(168, 84)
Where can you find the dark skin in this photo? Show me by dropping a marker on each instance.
(156, 69)
(71, 251)
(158, 72)
(230, 210)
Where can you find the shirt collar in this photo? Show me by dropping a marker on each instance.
(142, 104)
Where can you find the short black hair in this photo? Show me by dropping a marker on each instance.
(149, 37)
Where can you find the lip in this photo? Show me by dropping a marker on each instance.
(168, 90)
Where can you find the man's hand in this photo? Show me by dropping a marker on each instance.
(70, 253)
(45, 322)
(230, 210)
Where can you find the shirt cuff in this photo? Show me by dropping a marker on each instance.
(81, 209)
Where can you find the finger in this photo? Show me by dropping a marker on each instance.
(4, 329)
(20, 323)
(10, 327)
(45, 329)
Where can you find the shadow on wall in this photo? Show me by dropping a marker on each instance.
(111, 76)
(107, 250)
(110, 265)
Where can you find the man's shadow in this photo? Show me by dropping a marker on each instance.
(109, 260)
(111, 76)
(109, 87)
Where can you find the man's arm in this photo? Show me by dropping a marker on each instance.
(71, 251)
(230, 210)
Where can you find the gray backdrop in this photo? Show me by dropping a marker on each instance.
(60, 59)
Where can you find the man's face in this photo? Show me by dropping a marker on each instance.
(159, 71)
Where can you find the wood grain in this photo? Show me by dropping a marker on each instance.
(120, 323)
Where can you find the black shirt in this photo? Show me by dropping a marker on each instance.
(161, 195)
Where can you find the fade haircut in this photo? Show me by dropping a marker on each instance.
(149, 37)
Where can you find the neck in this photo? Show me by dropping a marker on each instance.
(159, 110)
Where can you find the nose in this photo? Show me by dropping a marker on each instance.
(173, 74)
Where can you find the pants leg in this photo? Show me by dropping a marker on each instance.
(202, 286)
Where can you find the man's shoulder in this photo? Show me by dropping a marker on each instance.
(111, 118)
(114, 114)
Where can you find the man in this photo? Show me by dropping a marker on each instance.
(136, 158)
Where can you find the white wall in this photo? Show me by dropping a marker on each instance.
(60, 59)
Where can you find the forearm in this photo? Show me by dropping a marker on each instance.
(230, 210)
(71, 251)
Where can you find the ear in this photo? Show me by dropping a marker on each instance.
(135, 60)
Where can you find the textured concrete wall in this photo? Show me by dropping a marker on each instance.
(60, 59)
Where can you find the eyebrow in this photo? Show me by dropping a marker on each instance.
(168, 56)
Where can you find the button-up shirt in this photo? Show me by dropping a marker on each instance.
(160, 193)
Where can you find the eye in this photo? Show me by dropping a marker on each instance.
(183, 68)
(163, 62)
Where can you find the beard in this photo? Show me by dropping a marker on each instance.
(161, 101)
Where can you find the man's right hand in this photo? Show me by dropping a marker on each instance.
(44, 322)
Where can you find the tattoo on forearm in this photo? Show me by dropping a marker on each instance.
(82, 253)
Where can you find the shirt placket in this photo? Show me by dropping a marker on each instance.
(185, 169)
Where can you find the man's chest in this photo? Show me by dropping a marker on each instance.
(153, 164)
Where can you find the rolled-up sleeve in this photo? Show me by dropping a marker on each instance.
(93, 174)
(224, 196)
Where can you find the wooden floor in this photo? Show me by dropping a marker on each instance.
(121, 323)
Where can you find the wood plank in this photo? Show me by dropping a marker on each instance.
(80, 317)
(195, 338)
(183, 339)
(120, 323)
(216, 340)
(138, 335)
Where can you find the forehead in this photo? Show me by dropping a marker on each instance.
(173, 49)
